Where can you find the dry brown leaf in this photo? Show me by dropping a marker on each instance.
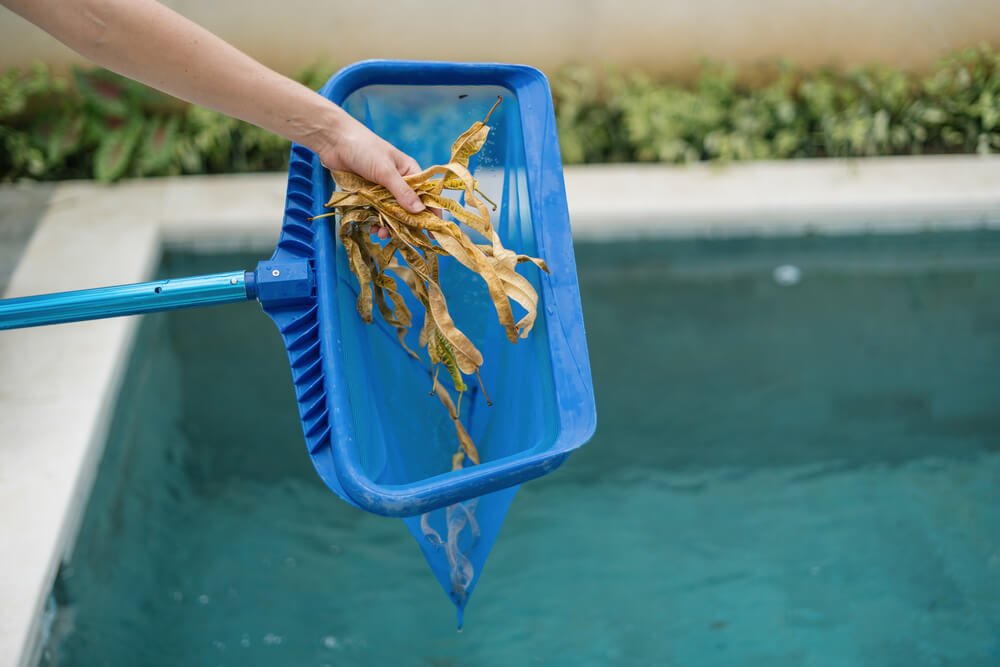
(466, 445)
(462, 214)
(411, 255)
(350, 182)
(472, 140)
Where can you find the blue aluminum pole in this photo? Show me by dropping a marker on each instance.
(102, 302)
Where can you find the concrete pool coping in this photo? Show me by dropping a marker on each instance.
(59, 384)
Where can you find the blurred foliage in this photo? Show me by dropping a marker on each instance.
(100, 125)
(611, 116)
(103, 126)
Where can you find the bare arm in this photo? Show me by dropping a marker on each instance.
(148, 42)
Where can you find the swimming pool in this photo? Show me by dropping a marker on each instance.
(785, 472)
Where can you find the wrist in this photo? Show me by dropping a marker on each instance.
(324, 126)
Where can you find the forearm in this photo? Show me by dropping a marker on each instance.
(146, 41)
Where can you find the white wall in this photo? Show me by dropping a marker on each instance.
(669, 35)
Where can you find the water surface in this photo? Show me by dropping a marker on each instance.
(782, 475)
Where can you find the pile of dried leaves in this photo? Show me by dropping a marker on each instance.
(411, 254)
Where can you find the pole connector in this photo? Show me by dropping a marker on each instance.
(282, 283)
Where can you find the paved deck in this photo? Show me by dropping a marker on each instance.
(21, 207)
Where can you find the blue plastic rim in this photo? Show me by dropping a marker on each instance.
(376, 437)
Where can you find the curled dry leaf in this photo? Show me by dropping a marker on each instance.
(411, 255)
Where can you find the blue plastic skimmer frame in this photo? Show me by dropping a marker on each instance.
(386, 95)
(375, 435)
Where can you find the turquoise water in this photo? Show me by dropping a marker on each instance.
(799, 474)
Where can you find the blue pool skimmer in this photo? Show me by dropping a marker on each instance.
(375, 435)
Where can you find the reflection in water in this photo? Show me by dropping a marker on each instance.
(458, 517)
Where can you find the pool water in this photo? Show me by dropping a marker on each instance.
(797, 467)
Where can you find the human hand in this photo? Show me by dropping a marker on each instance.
(355, 148)
(149, 42)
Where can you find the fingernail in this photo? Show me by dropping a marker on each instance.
(417, 206)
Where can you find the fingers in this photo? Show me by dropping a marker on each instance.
(403, 193)
(406, 164)
(367, 155)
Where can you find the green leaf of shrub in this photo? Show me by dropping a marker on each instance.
(115, 151)
(66, 138)
(104, 91)
(157, 148)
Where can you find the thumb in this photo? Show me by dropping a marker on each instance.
(403, 193)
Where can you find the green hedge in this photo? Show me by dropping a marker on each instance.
(626, 117)
(96, 124)
(99, 125)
